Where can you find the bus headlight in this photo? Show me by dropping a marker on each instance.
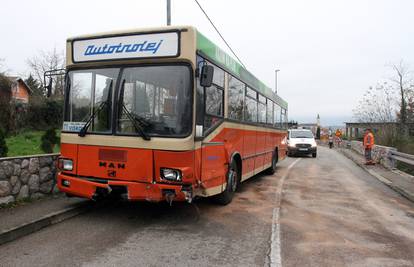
(65, 164)
(171, 175)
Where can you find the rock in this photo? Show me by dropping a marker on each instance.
(46, 187)
(13, 180)
(56, 189)
(24, 192)
(6, 200)
(5, 188)
(2, 174)
(36, 195)
(8, 168)
(34, 165)
(17, 161)
(45, 174)
(16, 188)
(34, 183)
(24, 176)
(45, 161)
(17, 169)
(25, 164)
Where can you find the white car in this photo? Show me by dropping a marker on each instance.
(301, 142)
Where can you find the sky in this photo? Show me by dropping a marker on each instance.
(328, 51)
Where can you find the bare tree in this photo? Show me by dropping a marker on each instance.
(377, 105)
(403, 84)
(48, 61)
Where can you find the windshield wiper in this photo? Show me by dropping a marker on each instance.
(84, 129)
(134, 118)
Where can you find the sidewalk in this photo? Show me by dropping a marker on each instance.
(33, 216)
(399, 181)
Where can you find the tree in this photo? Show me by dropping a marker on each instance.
(378, 104)
(37, 90)
(318, 133)
(48, 61)
(5, 107)
(403, 84)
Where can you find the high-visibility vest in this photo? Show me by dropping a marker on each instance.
(369, 140)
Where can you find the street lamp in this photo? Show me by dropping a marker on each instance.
(168, 12)
(276, 71)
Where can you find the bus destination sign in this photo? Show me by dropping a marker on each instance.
(126, 47)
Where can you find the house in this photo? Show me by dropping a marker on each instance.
(20, 91)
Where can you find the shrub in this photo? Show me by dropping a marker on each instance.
(3, 145)
(49, 140)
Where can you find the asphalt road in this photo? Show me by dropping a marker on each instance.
(332, 213)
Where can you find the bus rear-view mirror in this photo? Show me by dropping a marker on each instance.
(206, 77)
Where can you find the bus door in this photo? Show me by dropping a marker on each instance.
(213, 164)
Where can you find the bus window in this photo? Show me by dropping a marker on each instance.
(214, 95)
(269, 112)
(276, 115)
(158, 97)
(236, 99)
(250, 114)
(261, 109)
(89, 91)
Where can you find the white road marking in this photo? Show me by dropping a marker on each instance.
(275, 246)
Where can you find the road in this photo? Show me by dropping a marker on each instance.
(331, 213)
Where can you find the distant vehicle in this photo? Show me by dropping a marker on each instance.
(164, 113)
(301, 141)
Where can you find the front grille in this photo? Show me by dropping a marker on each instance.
(303, 145)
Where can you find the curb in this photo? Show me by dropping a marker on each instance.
(36, 225)
(382, 179)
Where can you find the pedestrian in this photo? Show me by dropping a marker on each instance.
(330, 141)
(368, 145)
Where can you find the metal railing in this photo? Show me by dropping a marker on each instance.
(403, 157)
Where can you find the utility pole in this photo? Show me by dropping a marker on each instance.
(168, 12)
(276, 71)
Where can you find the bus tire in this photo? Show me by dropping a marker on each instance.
(272, 169)
(226, 196)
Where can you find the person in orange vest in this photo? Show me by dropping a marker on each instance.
(368, 145)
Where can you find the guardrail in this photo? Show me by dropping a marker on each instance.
(403, 157)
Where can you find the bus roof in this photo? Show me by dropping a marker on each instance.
(211, 51)
(218, 56)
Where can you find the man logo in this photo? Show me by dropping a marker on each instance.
(111, 165)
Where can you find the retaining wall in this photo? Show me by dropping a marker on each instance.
(27, 177)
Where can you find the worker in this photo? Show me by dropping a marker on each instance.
(368, 145)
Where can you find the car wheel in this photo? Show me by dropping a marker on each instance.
(314, 155)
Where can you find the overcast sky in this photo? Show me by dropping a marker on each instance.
(328, 51)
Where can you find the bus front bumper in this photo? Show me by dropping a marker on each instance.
(136, 191)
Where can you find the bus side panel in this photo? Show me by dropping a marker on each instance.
(260, 148)
(249, 150)
(233, 139)
(213, 167)
(269, 147)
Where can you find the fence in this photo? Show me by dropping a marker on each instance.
(403, 157)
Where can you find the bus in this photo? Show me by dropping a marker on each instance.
(164, 114)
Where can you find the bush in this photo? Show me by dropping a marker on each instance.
(49, 140)
(43, 113)
(3, 145)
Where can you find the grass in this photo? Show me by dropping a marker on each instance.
(27, 143)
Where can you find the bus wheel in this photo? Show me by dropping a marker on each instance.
(272, 169)
(226, 196)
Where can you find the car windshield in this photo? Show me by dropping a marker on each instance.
(301, 134)
(150, 100)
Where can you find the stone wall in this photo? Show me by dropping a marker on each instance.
(27, 177)
(380, 154)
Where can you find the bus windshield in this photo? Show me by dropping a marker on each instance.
(150, 100)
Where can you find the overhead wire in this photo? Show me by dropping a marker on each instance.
(222, 37)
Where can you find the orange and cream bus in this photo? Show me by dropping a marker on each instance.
(164, 114)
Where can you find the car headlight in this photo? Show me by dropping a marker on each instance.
(65, 164)
(171, 174)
